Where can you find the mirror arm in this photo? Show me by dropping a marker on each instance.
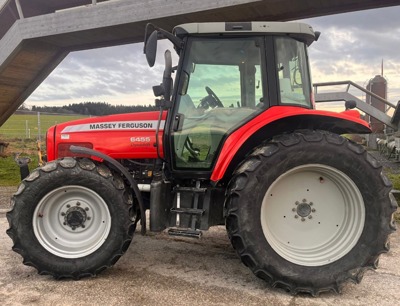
(177, 42)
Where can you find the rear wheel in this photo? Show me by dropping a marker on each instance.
(71, 218)
(320, 216)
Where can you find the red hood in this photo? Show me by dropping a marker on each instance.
(121, 136)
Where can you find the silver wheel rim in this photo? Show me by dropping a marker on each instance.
(313, 215)
(71, 221)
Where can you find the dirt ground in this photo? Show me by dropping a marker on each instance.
(160, 270)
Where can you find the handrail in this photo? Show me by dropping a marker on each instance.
(19, 9)
(350, 83)
(335, 95)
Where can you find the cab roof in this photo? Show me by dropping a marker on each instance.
(301, 31)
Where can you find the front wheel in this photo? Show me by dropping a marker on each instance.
(321, 215)
(71, 218)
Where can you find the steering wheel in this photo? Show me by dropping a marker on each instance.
(214, 96)
(211, 100)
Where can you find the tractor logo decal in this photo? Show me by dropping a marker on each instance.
(114, 125)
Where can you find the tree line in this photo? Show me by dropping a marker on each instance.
(94, 109)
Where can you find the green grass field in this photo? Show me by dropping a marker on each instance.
(22, 126)
(15, 132)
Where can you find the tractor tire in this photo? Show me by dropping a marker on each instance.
(309, 211)
(71, 218)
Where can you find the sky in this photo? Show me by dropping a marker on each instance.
(351, 47)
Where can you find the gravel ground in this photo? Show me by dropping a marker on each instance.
(5, 195)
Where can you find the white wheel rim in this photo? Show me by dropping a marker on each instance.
(71, 221)
(313, 215)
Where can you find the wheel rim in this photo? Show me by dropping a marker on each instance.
(313, 215)
(71, 221)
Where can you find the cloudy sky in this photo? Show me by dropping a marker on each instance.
(351, 47)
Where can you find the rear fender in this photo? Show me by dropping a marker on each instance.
(280, 120)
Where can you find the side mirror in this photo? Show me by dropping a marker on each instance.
(165, 88)
(150, 48)
(167, 80)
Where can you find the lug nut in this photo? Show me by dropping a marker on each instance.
(296, 216)
(311, 203)
(313, 210)
(297, 203)
(88, 218)
(293, 209)
(86, 208)
(302, 219)
(73, 228)
(63, 214)
(78, 203)
(309, 217)
(68, 206)
(83, 225)
(304, 200)
(65, 223)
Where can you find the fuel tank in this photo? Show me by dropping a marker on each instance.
(122, 136)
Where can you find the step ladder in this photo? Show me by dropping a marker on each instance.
(187, 219)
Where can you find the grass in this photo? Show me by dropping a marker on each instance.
(9, 170)
(394, 178)
(22, 125)
(14, 132)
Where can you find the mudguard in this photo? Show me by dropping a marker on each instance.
(277, 120)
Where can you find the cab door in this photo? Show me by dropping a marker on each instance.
(221, 86)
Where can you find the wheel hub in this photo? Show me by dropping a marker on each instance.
(75, 217)
(304, 209)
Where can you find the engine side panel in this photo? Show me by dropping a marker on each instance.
(122, 136)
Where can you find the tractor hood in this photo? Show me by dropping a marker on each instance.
(122, 136)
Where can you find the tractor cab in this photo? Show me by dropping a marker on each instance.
(228, 74)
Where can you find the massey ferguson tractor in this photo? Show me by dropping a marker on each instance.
(236, 141)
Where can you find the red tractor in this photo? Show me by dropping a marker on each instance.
(237, 141)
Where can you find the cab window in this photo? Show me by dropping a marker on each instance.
(221, 88)
(293, 72)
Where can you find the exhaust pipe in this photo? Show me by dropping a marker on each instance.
(22, 162)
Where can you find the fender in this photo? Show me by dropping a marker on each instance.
(125, 173)
(277, 120)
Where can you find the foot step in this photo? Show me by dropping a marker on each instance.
(190, 189)
(185, 232)
(188, 211)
